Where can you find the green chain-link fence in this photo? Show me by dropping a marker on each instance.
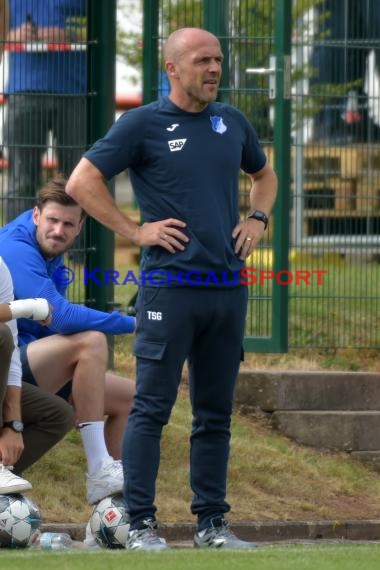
(332, 267)
(324, 235)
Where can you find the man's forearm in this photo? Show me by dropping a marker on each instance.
(12, 404)
(264, 191)
(5, 313)
(36, 309)
(87, 188)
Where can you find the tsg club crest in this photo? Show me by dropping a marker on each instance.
(217, 124)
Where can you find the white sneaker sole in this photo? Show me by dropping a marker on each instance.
(97, 494)
(15, 488)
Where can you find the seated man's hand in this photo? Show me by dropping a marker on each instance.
(47, 321)
(36, 309)
(11, 446)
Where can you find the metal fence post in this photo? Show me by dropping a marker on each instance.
(150, 50)
(101, 114)
(282, 166)
(216, 21)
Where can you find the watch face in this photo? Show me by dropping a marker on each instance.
(258, 215)
(18, 426)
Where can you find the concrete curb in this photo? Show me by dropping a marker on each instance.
(267, 531)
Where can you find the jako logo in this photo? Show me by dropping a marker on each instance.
(176, 145)
(172, 127)
(154, 316)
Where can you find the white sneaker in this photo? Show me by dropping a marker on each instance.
(89, 540)
(11, 483)
(146, 537)
(109, 480)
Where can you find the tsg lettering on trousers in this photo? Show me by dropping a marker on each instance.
(154, 316)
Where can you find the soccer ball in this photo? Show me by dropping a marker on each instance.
(20, 520)
(109, 522)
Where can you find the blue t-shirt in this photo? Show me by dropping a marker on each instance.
(47, 72)
(34, 276)
(186, 166)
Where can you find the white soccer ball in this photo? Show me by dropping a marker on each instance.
(110, 522)
(20, 520)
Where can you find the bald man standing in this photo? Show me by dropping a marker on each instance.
(184, 153)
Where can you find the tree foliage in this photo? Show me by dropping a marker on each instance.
(129, 33)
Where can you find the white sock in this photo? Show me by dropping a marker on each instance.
(92, 434)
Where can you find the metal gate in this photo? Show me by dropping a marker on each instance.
(335, 188)
(255, 37)
(307, 74)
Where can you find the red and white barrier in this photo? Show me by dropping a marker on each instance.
(43, 47)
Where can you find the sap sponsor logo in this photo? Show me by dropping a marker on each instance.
(177, 144)
(154, 315)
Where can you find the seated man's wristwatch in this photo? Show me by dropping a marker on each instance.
(16, 425)
(259, 215)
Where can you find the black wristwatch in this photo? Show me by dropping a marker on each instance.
(16, 425)
(259, 215)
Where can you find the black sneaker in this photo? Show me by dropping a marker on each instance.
(146, 537)
(219, 535)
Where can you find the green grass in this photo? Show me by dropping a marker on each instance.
(342, 311)
(326, 557)
(270, 477)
